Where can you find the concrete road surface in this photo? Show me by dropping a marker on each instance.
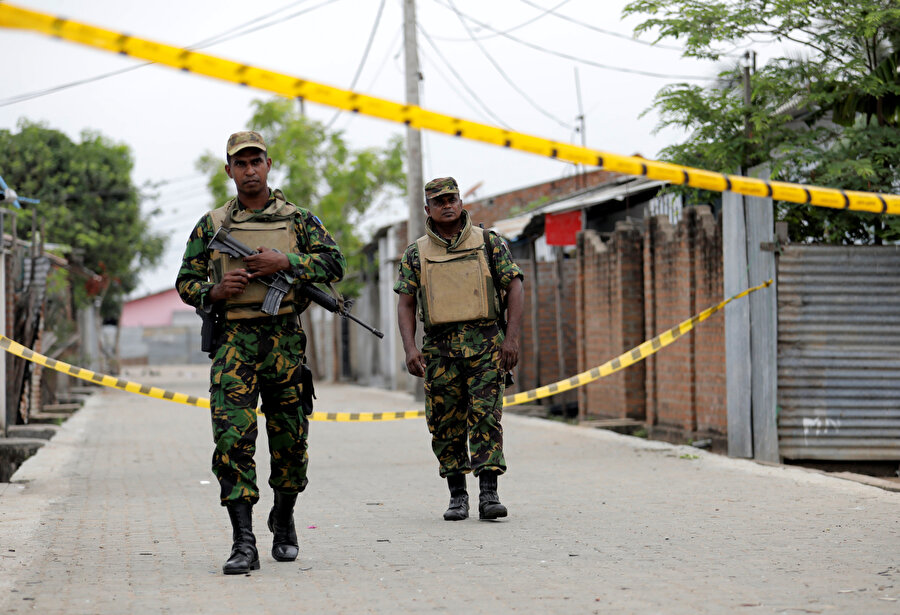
(119, 514)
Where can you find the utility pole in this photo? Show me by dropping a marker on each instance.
(415, 228)
(581, 127)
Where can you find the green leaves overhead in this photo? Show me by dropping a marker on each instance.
(826, 111)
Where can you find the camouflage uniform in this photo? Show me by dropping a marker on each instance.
(463, 379)
(259, 357)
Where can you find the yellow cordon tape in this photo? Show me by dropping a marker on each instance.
(636, 354)
(639, 353)
(293, 87)
(112, 382)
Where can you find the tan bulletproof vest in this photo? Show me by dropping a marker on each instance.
(272, 227)
(455, 283)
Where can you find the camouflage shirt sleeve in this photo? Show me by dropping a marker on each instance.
(507, 269)
(319, 259)
(408, 282)
(193, 282)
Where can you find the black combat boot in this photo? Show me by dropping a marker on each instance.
(281, 523)
(489, 506)
(459, 498)
(244, 556)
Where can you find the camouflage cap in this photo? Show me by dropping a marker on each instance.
(439, 186)
(243, 140)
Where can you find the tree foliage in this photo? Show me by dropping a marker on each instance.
(88, 203)
(825, 112)
(316, 169)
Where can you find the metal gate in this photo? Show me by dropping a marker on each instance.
(839, 353)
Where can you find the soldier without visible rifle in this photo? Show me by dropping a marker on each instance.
(258, 355)
(458, 278)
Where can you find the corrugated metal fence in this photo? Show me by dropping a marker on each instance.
(839, 353)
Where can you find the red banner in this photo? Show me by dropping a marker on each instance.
(560, 229)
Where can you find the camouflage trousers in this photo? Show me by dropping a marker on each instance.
(463, 407)
(258, 358)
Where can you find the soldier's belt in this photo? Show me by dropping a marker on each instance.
(636, 354)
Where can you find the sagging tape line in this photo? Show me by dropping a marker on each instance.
(112, 382)
(630, 357)
(636, 354)
(416, 117)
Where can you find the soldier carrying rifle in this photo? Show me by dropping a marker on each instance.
(259, 345)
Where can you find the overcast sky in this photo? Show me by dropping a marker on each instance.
(169, 118)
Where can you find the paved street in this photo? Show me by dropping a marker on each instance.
(119, 514)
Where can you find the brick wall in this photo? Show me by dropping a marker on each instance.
(635, 286)
(683, 275)
(538, 351)
(611, 320)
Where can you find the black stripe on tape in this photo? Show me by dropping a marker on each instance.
(553, 388)
(846, 200)
(73, 370)
(599, 161)
(95, 377)
(883, 204)
(636, 354)
(145, 390)
(168, 395)
(808, 196)
(616, 363)
(121, 384)
(656, 343)
(331, 416)
(727, 182)
(643, 168)
(532, 394)
(595, 372)
(768, 189)
(354, 416)
(687, 176)
(575, 381)
(191, 400)
(675, 332)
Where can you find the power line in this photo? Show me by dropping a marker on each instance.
(462, 81)
(503, 74)
(214, 40)
(624, 37)
(362, 62)
(513, 29)
(578, 59)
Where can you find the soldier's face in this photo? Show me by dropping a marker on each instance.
(444, 209)
(249, 169)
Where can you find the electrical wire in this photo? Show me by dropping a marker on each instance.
(214, 40)
(461, 81)
(513, 29)
(619, 35)
(503, 74)
(362, 61)
(619, 69)
(625, 37)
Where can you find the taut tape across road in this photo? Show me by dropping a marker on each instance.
(639, 353)
(294, 87)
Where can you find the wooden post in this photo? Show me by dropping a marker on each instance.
(737, 328)
(760, 217)
(750, 326)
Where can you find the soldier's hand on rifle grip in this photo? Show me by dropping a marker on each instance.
(266, 262)
(415, 363)
(232, 284)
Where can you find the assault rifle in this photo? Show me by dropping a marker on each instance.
(279, 285)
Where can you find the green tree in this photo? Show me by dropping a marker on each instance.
(88, 203)
(316, 169)
(826, 111)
